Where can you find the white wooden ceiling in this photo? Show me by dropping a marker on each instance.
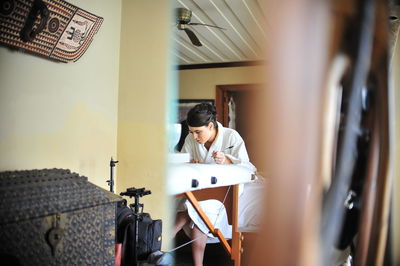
(243, 39)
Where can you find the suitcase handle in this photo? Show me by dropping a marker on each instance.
(29, 32)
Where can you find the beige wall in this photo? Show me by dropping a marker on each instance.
(142, 101)
(200, 83)
(70, 115)
(63, 115)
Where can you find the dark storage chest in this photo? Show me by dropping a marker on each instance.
(55, 217)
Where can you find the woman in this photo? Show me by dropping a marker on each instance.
(208, 142)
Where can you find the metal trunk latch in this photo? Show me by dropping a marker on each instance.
(55, 234)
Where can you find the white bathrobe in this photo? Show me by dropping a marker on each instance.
(214, 209)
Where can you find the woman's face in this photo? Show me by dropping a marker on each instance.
(202, 134)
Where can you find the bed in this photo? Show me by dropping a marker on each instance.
(198, 182)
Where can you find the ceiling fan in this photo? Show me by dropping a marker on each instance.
(183, 17)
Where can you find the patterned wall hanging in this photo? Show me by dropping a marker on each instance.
(51, 28)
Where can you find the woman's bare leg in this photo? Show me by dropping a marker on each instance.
(198, 246)
(182, 218)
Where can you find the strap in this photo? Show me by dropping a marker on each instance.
(223, 205)
(38, 10)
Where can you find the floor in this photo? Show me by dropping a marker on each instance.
(214, 255)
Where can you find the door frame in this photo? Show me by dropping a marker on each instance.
(222, 95)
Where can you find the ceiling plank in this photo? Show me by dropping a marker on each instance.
(251, 18)
(220, 40)
(236, 30)
(187, 47)
(243, 39)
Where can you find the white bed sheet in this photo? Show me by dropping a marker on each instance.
(251, 204)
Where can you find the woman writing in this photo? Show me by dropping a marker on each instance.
(208, 142)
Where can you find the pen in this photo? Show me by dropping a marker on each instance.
(215, 152)
(230, 147)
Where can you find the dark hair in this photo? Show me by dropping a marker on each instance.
(201, 115)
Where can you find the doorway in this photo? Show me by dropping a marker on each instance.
(242, 98)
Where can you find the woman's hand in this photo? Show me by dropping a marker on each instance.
(220, 158)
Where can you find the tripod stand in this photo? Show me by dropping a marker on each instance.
(137, 193)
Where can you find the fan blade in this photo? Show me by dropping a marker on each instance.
(193, 38)
(208, 25)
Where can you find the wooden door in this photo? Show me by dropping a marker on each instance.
(244, 96)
